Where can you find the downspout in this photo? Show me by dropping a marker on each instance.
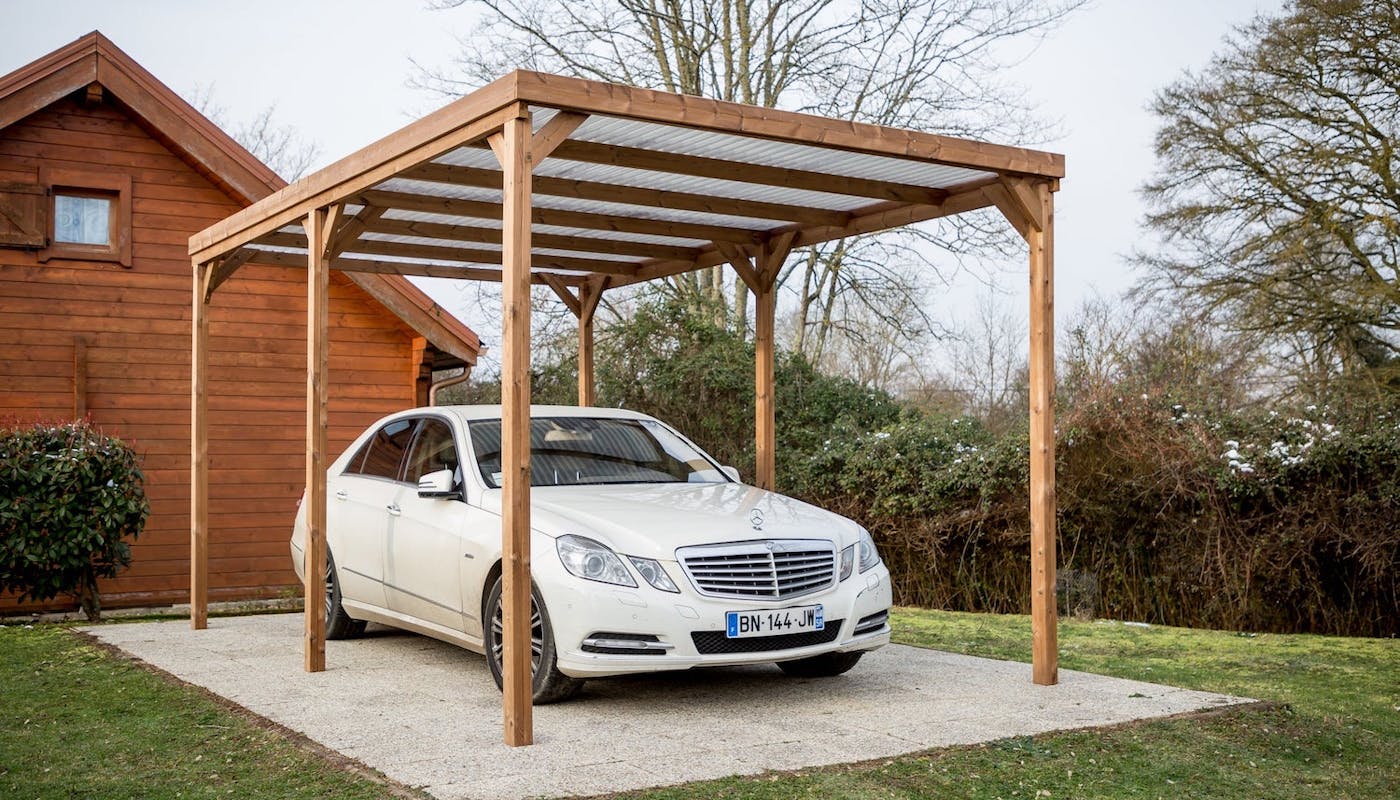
(446, 382)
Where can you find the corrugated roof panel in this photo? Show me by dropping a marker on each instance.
(453, 191)
(717, 187)
(666, 181)
(494, 247)
(495, 224)
(752, 150)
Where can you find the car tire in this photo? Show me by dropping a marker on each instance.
(549, 685)
(339, 624)
(826, 665)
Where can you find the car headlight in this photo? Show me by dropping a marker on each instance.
(848, 561)
(868, 556)
(650, 570)
(592, 561)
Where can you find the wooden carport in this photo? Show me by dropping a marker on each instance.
(585, 186)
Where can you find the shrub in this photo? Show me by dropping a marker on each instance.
(69, 497)
(1285, 522)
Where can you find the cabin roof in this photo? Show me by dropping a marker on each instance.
(195, 139)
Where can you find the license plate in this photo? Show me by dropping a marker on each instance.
(773, 622)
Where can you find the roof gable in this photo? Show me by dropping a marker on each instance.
(208, 150)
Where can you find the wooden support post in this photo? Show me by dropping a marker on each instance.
(513, 148)
(765, 438)
(589, 295)
(319, 225)
(767, 264)
(1030, 208)
(1044, 646)
(199, 452)
(583, 305)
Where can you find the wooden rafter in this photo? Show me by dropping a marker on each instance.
(580, 244)
(632, 195)
(705, 167)
(881, 216)
(448, 252)
(420, 142)
(649, 105)
(382, 267)
(480, 209)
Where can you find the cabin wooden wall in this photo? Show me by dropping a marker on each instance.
(131, 327)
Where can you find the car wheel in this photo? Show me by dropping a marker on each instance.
(549, 685)
(339, 625)
(825, 665)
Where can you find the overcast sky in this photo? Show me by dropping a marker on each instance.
(338, 71)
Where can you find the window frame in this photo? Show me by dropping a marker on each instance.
(354, 468)
(112, 186)
(405, 470)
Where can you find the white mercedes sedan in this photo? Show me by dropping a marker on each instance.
(646, 554)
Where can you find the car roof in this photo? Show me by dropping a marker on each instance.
(479, 412)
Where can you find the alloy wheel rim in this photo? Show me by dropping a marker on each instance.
(536, 636)
(330, 588)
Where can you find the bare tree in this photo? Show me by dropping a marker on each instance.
(281, 147)
(1277, 192)
(980, 369)
(929, 64)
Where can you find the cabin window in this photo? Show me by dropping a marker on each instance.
(82, 219)
(89, 216)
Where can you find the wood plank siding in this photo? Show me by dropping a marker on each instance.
(133, 326)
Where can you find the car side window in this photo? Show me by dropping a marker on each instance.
(382, 456)
(434, 449)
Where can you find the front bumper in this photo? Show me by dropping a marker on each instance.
(688, 629)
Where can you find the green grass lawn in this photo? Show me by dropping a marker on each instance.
(78, 722)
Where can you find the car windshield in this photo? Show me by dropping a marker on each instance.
(590, 450)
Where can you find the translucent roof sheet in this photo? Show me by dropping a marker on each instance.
(644, 183)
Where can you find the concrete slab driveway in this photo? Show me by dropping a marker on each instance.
(428, 715)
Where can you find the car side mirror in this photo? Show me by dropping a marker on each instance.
(732, 473)
(438, 484)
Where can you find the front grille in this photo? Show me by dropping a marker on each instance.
(709, 643)
(776, 569)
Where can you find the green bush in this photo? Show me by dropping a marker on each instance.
(1286, 522)
(69, 497)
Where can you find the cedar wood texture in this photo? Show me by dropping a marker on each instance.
(130, 329)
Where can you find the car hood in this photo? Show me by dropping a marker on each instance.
(653, 519)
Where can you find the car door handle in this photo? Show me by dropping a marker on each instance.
(342, 495)
(394, 509)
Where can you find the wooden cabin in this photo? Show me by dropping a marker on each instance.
(105, 173)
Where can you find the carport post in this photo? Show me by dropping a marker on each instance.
(769, 261)
(589, 295)
(1030, 207)
(1041, 238)
(583, 305)
(512, 148)
(199, 450)
(319, 224)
